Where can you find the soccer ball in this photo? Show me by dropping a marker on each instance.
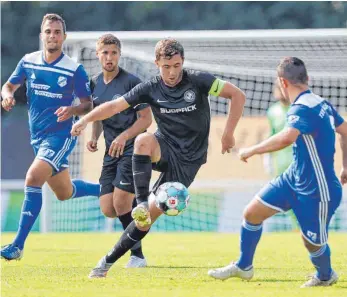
(172, 198)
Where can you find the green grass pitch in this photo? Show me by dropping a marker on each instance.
(58, 265)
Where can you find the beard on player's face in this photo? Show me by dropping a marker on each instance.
(53, 49)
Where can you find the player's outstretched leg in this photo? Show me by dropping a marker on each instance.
(255, 212)
(30, 211)
(243, 268)
(36, 176)
(131, 236)
(137, 259)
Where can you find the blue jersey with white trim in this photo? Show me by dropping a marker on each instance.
(312, 171)
(50, 86)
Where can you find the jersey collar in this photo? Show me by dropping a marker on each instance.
(54, 62)
(302, 93)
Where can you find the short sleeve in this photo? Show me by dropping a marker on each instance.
(141, 106)
(18, 76)
(338, 119)
(138, 94)
(204, 80)
(300, 117)
(81, 83)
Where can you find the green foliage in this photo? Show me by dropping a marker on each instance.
(58, 265)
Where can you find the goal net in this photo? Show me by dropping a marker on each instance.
(223, 187)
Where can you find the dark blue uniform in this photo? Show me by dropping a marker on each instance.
(116, 172)
(183, 117)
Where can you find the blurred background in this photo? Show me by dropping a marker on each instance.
(244, 50)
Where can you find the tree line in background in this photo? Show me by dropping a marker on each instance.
(20, 21)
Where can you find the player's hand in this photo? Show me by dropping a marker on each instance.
(343, 176)
(78, 127)
(63, 113)
(245, 153)
(92, 145)
(8, 103)
(228, 142)
(117, 145)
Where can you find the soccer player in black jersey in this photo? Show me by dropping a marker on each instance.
(180, 105)
(116, 180)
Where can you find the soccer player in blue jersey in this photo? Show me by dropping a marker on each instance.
(179, 101)
(53, 81)
(309, 186)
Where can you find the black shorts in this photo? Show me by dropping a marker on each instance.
(117, 174)
(173, 169)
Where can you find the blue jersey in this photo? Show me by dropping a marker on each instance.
(50, 86)
(312, 171)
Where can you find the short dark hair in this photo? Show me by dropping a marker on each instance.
(108, 39)
(167, 48)
(293, 69)
(53, 17)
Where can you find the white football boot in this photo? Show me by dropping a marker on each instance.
(231, 270)
(316, 282)
(101, 269)
(136, 262)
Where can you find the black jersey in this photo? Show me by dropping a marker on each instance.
(115, 125)
(182, 112)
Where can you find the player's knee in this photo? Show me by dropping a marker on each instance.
(310, 247)
(63, 196)
(251, 216)
(121, 205)
(143, 143)
(32, 179)
(108, 212)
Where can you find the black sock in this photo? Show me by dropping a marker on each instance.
(129, 238)
(142, 172)
(126, 219)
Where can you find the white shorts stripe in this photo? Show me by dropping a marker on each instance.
(322, 186)
(48, 161)
(269, 205)
(320, 168)
(61, 153)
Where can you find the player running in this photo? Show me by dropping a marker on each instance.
(53, 80)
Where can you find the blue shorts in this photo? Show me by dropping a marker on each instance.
(313, 213)
(55, 150)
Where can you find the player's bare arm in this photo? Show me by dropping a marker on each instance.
(7, 94)
(92, 144)
(65, 112)
(142, 123)
(342, 130)
(101, 112)
(274, 143)
(238, 99)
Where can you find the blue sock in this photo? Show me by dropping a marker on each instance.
(82, 188)
(250, 235)
(321, 260)
(30, 210)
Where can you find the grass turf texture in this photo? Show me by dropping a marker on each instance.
(58, 264)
